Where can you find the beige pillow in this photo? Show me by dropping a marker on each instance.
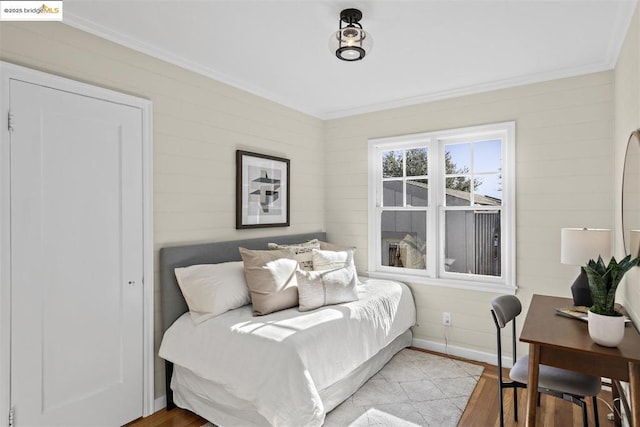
(319, 288)
(212, 289)
(325, 246)
(271, 277)
(330, 260)
(302, 252)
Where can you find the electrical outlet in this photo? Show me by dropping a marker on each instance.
(446, 318)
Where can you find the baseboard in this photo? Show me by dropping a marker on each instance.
(160, 403)
(465, 353)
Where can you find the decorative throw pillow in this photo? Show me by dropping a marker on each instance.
(319, 288)
(326, 246)
(212, 289)
(302, 252)
(330, 260)
(271, 277)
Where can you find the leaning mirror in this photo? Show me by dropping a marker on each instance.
(631, 190)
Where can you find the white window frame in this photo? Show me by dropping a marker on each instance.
(434, 274)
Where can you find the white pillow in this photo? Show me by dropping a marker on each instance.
(319, 288)
(212, 289)
(330, 260)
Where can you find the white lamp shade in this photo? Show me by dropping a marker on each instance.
(579, 245)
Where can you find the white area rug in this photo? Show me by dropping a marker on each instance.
(413, 389)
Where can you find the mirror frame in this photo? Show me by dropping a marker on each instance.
(631, 217)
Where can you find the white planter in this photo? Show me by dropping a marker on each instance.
(607, 331)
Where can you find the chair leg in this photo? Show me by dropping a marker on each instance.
(515, 404)
(500, 398)
(595, 411)
(585, 417)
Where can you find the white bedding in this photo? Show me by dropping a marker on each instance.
(278, 363)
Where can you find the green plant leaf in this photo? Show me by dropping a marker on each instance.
(604, 281)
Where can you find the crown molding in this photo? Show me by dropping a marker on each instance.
(470, 90)
(617, 37)
(136, 44)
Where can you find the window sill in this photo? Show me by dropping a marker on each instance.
(497, 288)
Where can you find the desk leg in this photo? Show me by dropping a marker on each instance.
(634, 393)
(532, 384)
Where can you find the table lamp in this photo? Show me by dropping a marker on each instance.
(577, 247)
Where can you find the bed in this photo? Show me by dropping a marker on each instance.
(287, 368)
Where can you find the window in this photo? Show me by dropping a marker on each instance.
(442, 205)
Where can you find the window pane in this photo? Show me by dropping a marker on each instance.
(392, 193)
(392, 164)
(487, 156)
(404, 235)
(473, 242)
(458, 191)
(457, 158)
(417, 192)
(488, 191)
(417, 162)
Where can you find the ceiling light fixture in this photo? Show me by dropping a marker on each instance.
(350, 42)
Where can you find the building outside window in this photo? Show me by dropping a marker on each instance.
(442, 207)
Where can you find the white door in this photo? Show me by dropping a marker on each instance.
(76, 259)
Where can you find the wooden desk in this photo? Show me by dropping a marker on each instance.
(563, 342)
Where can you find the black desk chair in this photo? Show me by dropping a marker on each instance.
(567, 385)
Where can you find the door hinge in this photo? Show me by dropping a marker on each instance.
(10, 121)
(12, 413)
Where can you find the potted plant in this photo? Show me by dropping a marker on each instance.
(606, 324)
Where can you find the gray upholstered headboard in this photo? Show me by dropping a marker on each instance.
(172, 302)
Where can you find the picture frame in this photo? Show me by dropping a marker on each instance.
(262, 190)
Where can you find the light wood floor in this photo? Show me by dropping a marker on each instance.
(481, 411)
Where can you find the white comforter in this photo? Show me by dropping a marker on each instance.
(280, 361)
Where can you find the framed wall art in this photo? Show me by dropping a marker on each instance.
(262, 190)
